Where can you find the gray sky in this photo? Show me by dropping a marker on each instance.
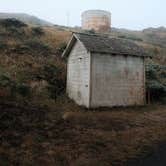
(131, 14)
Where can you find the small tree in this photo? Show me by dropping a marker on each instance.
(156, 88)
(56, 81)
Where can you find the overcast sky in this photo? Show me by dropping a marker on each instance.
(131, 14)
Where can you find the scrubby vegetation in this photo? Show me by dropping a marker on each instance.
(30, 64)
(8, 23)
(130, 38)
(37, 31)
(30, 56)
(156, 82)
(40, 126)
(63, 137)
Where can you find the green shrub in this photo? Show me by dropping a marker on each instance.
(7, 82)
(37, 31)
(3, 46)
(14, 87)
(62, 47)
(54, 76)
(155, 81)
(122, 36)
(23, 90)
(130, 38)
(156, 89)
(14, 28)
(37, 47)
(20, 49)
(11, 22)
(151, 72)
(16, 32)
(91, 31)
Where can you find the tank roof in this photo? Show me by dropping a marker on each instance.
(96, 11)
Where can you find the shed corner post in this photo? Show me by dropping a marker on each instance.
(145, 101)
(90, 80)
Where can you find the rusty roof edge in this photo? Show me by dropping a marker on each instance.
(69, 46)
(71, 43)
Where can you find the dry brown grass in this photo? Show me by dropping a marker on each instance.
(117, 135)
(71, 135)
(55, 37)
(65, 134)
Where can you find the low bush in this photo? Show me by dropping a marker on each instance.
(23, 90)
(91, 31)
(62, 47)
(3, 46)
(37, 31)
(14, 87)
(16, 32)
(11, 22)
(37, 47)
(155, 81)
(130, 38)
(20, 49)
(54, 76)
(122, 36)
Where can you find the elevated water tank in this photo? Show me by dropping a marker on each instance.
(98, 20)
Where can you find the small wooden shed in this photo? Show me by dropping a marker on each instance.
(104, 71)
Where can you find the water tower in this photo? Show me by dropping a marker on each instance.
(97, 20)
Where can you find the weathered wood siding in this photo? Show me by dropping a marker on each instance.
(117, 80)
(78, 74)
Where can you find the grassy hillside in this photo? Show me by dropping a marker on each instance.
(153, 39)
(28, 19)
(30, 64)
(73, 136)
(39, 125)
(31, 67)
